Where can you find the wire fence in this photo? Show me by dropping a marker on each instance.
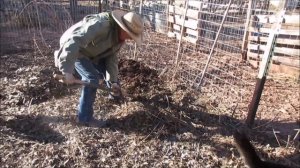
(29, 25)
(287, 47)
(178, 40)
(186, 34)
(227, 79)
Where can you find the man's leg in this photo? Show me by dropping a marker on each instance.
(86, 69)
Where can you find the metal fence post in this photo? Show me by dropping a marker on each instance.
(246, 33)
(213, 46)
(141, 13)
(261, 79)
(181, 33)
(180, 41)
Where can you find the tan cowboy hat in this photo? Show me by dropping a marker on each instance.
(130, 22)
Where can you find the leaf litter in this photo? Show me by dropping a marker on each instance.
(155, 127)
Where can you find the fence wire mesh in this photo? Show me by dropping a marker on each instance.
(229, 80)
(286, 51)
(28, 25)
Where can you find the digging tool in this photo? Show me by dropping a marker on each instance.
(101, 85)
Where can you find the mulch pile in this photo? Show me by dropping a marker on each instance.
(137, 78)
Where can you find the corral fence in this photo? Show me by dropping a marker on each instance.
(213, 46)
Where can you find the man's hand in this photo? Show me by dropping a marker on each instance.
(116, 90)
(69, 78)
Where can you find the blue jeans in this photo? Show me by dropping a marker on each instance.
(90, 72)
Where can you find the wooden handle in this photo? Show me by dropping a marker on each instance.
(61, 78)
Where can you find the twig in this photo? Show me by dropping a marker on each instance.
(35, 43)
(234, 110)
(168, 101)
(28, 110)
(175, 119)
(288, 141)
(275, 132)
(163, 72)
(149, 134)
(78, 147)
(295, 137)
(295, 108)
(218, 111)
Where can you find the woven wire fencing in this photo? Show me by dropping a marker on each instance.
(228, 81)
(178, 42)
(285, 56)
(286, 51)
(37, 25)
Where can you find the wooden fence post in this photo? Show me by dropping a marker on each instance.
(141, 13)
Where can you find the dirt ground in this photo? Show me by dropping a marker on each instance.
(156, 126)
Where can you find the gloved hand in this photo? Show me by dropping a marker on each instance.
(115, 90)
(69, 78)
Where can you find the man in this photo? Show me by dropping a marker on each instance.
(89, 48)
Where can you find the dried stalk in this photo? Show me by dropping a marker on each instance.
(288, 141)
(29, 106)
(275, 132)
(297, 134)
(37, 46)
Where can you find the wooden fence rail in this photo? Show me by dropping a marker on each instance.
(286, 56)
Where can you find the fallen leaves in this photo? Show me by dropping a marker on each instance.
(156, 127)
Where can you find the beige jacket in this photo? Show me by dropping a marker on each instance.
(95, 37)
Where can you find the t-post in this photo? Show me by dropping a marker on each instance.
(263, 71)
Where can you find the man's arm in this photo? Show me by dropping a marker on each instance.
(79, 38)
(112, 67)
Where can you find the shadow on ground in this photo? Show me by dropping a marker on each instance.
(26, 80)
(32, 128)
